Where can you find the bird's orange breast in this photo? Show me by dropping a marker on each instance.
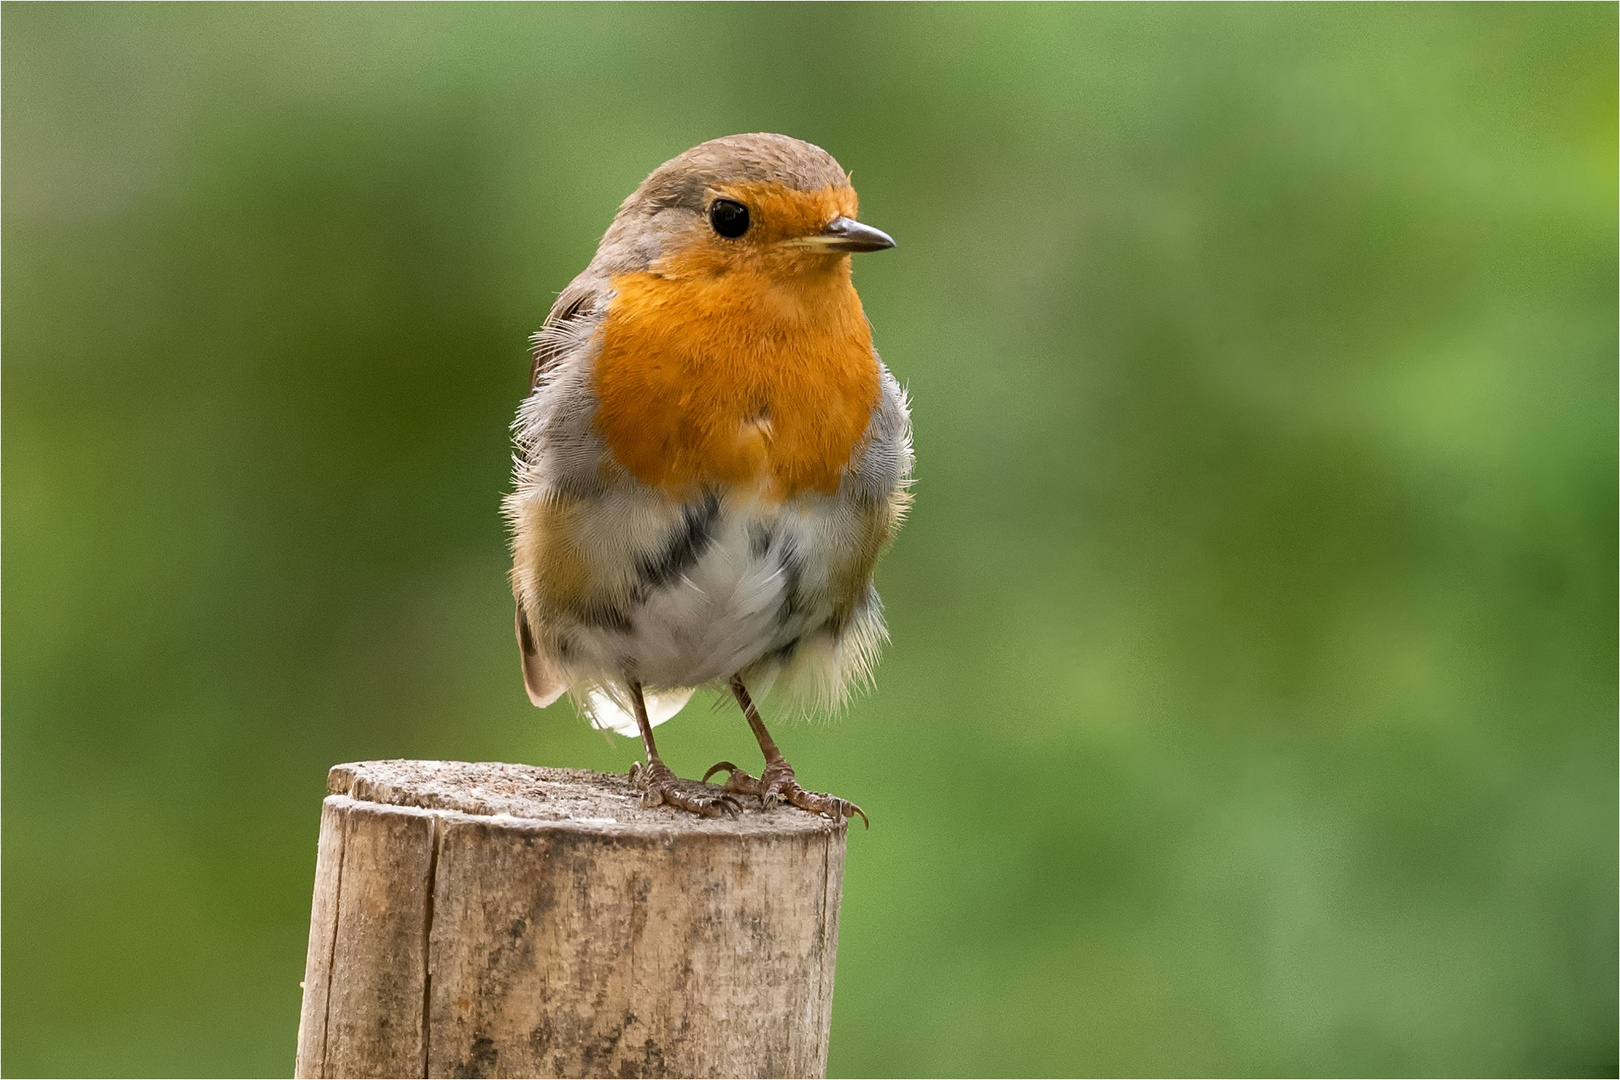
(734, 374)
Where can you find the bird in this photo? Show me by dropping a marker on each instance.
(709, 461)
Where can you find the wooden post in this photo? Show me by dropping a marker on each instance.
(508, 920)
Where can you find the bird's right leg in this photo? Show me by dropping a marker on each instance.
(659, 784)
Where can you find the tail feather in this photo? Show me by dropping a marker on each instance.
(541, 678)
(607, 713)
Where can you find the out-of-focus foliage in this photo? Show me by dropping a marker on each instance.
(1251, 706)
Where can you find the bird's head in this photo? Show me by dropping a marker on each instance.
(755, 204)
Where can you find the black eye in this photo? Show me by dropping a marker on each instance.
(730, 219)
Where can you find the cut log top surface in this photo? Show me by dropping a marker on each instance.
(577, 798)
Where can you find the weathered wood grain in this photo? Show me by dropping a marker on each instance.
(364, 979)
(505, 920)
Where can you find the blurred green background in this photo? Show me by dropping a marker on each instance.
(1252, 700)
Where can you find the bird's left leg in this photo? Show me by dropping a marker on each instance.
(658, 784)
(777, 783)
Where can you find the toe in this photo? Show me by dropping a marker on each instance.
(720, 766)
(712, 806)
(827, 805)
(738, 781)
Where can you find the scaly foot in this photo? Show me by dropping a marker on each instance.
(778, 784)
(659, 785)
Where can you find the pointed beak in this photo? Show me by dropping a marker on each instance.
(846, 234)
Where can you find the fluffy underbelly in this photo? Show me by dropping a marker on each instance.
(741, 596)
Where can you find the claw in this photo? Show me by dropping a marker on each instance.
(850, 808)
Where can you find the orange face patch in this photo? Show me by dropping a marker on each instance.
(743, 361)
(777, 213)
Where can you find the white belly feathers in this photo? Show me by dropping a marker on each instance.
(720, 596)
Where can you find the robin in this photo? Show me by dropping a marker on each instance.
(710, 459)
